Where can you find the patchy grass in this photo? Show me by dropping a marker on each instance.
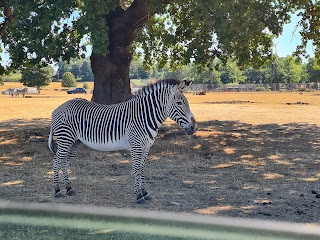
(257, 159)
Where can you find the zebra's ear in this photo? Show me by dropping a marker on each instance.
(184, 85)
(188, 84)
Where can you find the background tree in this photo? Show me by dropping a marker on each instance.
(180, 72)
(257, 76)
(86, 72)
(79, 68)
(68, 80)
(1, 81)
(231, 73)
(206, 76)
(169, 31)
(311, 71)
(137, 70)
(62, 67)
(166, 71)
(75, 70)
(85, 85)
(158, 73)
(35, 76)
(291, 70)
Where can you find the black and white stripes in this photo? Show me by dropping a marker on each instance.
(132, 124)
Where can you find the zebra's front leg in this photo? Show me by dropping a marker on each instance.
(144, 193)
(139, 156)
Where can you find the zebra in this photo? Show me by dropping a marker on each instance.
(132, 125)
(12, 92)
(21, 91)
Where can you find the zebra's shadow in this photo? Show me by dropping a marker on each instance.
(227, 168)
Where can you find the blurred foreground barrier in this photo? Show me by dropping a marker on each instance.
(48, 221)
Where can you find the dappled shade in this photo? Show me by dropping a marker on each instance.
(228, 168)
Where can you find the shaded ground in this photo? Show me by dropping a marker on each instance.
(228, 168)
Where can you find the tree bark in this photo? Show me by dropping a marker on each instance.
(111, 79)
(111, 72)
(7, 11)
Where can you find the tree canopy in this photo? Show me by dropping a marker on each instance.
(68, 80)
(169, 32)
(80, 68)
(36, 77)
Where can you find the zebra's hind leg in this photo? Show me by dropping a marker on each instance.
(65, 178)
(65, 166)
(56, 167)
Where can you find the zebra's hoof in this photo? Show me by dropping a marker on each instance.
(140, 199)
(70, 192)
(147, 196)
(58, 194)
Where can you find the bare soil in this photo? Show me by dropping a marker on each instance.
(253, 156)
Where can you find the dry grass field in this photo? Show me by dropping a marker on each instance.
(254, 155)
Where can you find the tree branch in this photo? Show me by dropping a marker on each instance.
(8, 17)
(123, 23)
(139, 12)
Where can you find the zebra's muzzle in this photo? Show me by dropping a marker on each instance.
(192, 127)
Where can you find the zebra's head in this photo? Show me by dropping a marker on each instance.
(179, 109)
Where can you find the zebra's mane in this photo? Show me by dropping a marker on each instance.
(155, 86)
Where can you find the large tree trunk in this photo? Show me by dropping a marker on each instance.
(111, 72)
(111, 79)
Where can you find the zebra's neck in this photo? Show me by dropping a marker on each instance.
(152, 108)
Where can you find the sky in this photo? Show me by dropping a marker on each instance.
(290, 38)
(284, 45)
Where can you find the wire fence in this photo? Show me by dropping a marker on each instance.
(255, 87)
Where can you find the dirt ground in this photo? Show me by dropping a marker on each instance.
(255, 155)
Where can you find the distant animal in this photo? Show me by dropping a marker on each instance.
(21, 91)
(199, 93)
(12, 92)
(132, 124)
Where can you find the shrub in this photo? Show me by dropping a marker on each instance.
(68, 80)
(85, 85)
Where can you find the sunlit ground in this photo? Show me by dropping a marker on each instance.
(254, 155)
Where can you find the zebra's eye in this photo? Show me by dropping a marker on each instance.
(179, 103)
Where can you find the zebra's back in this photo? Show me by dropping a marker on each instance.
(101, 127)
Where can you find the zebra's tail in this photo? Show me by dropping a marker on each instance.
(50, 142)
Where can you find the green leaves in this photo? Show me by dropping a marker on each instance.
(36, 76)
(46, 31)
(93, 22)
(309, 11)
(68, 80)
(201, 30)
(177, 33)
(39, 31)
